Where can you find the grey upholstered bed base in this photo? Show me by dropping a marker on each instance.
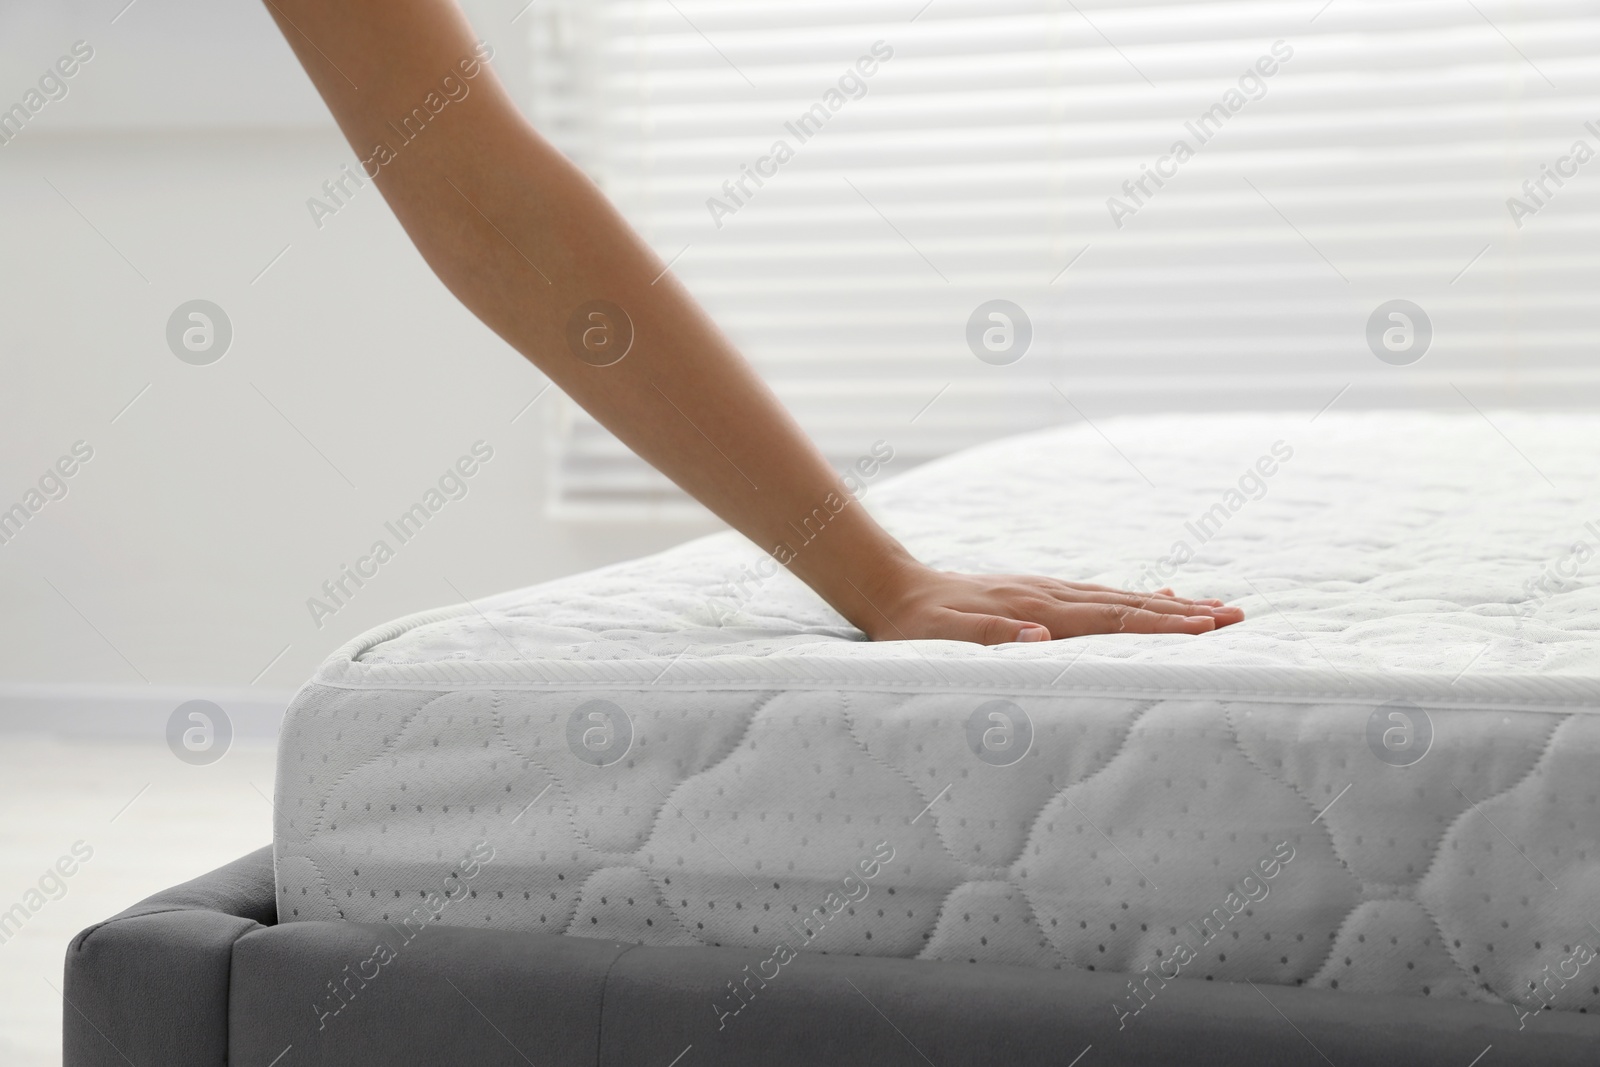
(201, 975)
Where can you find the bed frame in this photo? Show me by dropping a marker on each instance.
(202, 975)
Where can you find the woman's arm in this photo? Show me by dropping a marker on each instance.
(524, 239)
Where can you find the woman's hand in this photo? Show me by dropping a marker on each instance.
(993, 609)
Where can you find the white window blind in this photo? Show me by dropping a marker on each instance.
(978, 162)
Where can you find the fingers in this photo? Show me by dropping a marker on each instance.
(1123, 619)
(1081, 620)
(985, 629)
(1165, 592)
(1069, 620)
(1004, 609)
(1224, 614)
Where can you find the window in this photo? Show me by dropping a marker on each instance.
(1335, 157)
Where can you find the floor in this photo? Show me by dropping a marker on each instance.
(145, 819)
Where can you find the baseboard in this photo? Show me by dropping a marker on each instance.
(132, 712)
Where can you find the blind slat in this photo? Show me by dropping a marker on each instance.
(1382, 158)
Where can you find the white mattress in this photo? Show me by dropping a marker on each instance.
(762, 759)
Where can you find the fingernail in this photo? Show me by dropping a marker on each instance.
(1208, 622)
(1033, 633)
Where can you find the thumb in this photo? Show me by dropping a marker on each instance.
(998, 630)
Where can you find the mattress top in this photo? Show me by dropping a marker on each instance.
(1445, 558)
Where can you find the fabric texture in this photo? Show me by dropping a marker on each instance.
(150, 985)
(1376, 784)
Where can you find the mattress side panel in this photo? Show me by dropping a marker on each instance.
(1291, 843)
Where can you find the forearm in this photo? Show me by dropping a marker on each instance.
(524, 239)
(527, 242)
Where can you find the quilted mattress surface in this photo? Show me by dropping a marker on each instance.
(1383, 780)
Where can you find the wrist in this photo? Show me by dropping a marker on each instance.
(894, 579)
(867, 578)
(855, 565)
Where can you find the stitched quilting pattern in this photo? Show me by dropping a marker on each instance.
(670, 751)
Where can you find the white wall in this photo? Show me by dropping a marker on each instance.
(193, 63)
(184, 552)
